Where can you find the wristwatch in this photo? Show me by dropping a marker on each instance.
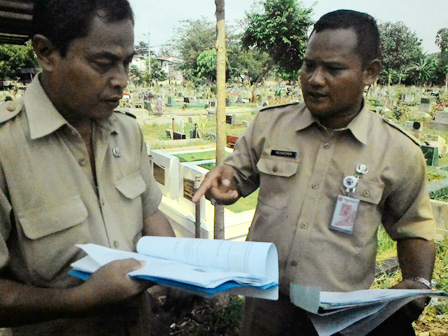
(423, 281)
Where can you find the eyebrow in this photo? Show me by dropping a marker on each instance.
(330, 62)
(112, 56)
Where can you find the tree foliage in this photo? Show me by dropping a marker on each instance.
(423, 71)
(195, 44)
(13, 58)
(400, 50)
(156, 74)
(281, 30)
(141, 49)
(206, 65)
(191, 39)
(442, 43)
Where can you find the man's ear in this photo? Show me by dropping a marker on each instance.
(47, 54)
(372, 71)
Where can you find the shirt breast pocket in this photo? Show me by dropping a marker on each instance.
(131, 187)
(50, 234)
(370, 194)
(275, 179)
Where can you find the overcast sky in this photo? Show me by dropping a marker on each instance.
(160, 17)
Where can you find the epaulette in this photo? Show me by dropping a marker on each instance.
(10, 109)
(276, 106)
(410, 136)
(129, 114)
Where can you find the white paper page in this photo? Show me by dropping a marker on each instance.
(366, 325)
(255, 258)
(200, 276)
(330, 324)
(368, 296)
(86, 264)
(269, 294)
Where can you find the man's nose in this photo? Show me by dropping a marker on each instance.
(120, 77)
(317, 77)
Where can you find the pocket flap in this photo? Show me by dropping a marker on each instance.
(369, 191)
(43, 221)
(131, 186)
(278, 166)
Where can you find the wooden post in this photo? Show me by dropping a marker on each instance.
(220, 104)
(197, 220)
(172, 126)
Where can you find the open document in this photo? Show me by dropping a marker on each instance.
(202, 266)
(353, 313)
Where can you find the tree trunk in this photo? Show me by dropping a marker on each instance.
(221, 104)
(260, 78)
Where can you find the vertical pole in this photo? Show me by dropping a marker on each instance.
(221, 104)
(172, 126)
(197, 220)
(149, 52)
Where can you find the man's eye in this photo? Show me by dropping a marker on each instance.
(308, 66)
(334, 68)
(103, 64)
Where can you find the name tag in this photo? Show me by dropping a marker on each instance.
(283, 153)
(344, 216)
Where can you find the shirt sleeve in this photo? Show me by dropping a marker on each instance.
(152, 196)
(408, 211)
(244, 160)
(5, 221)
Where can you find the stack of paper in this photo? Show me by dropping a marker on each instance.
(353, 313)
(201, 266)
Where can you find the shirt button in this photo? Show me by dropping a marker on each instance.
(366, 193)
(304, 225)
(326, 145)
(315, 186)
(82, 162)
(116, 244)
(11, 108)
(275, 169)
(293, 263)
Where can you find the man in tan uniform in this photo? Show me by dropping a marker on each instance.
(73, 172)
(329, 172)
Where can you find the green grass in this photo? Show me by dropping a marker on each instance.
(245, 203)
(386, 247)
(198, 156)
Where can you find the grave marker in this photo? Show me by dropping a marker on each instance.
(231, 119)
(188, 189)
(441, 117)
(179, 135)
(231, 140)
(159, 173)
(431, 155)
(425, 104)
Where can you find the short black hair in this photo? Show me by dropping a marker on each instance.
(62, 21)
(364, 25)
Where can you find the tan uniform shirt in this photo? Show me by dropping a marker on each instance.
(48, 198)
(300, 168)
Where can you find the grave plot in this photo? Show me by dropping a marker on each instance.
(176, 173)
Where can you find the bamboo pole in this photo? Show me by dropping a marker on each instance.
(221, 104)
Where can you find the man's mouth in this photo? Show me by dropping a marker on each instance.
(113, 101)
(316, 95)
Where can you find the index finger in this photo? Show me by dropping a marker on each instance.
(204, 187)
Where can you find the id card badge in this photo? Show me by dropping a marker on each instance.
(344, 216)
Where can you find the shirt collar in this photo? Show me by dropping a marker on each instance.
(358, 126)
(44, 118)
(305, 118)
